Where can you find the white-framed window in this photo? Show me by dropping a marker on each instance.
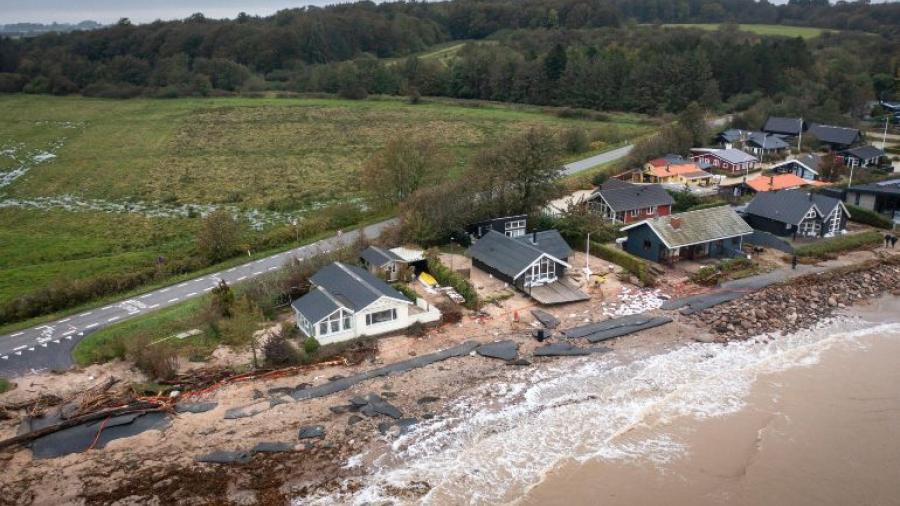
(649, 210)
(634, 213)
(519, 232)
(338, 321)
(381, 316)
(543, 271)
(509, 225)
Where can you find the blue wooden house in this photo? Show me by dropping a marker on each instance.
(712, 232)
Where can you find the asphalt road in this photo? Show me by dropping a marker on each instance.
(587, 163)
(49, 346)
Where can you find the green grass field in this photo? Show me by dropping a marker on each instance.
(768, 30)
(272, 155)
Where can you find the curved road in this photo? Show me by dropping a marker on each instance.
(49, 346)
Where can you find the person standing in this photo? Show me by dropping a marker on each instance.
(794, 262)
(893, 241)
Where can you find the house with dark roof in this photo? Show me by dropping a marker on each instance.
(711, 232)
(732, 161)
(535, 264)
(512, 226)
(882, 197)
(346, 302)
(757, 143)
(804, 166)
(862, 156)
(765, 144)
(791, 127)
(797, 213)
(835, 137)
(626, 202)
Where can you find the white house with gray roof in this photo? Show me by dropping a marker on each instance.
(346, 302)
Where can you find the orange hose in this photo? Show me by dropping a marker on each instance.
(99, 431)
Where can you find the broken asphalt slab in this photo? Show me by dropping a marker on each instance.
(503, 350)
(195, 407)
(79, 438)
(404, 424)
(400, 367)
(566, 350)
(272, 447)
(224, 457)
(247, 411)
(312, 431)
(547, 320)
(616, 327)
(695, 303)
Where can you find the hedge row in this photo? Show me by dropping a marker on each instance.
(629, 262)
(866, 217)
(826, 247)
(447, 277)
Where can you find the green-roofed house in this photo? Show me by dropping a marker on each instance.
(712, 232)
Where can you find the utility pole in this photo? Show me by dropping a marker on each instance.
(884, 135)
(800, 137)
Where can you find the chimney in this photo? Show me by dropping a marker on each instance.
(534, 237)
(675, 222)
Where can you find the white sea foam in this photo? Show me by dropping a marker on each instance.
(493, 445)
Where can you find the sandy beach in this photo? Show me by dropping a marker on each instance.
(485, 432)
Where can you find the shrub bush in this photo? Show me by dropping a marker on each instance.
(450, 313)
(157, 360)
(826, 247)
(732, 268)
(279, 352)
(446, 277)
(639, 268)
(866, 217)
(311, 345)
(575, 140)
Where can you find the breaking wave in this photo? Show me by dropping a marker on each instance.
(493, 445)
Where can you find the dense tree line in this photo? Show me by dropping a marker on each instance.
(544, 50)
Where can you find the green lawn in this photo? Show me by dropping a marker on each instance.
(768, 30)
(268, 155)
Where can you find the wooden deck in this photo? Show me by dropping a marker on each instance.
(558, 292)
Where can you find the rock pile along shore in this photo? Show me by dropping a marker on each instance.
(801, 302)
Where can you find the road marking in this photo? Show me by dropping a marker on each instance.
(174, 300)
(154, 306)
(17, 334)
(19, 353)
(86, 314)
(105, 308)
(5, 357)
(64, 321)
(56, 341)
(68, 338)
(145, 295)
(30, 349)
(208, 288)
(191, 294)
(273, 267)
(43, 345)
(17, 348)
(182, 285)
(242, 278)
(92, 325)
(70, 332)
(114, 318)
(231, 270)
(257, 273)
